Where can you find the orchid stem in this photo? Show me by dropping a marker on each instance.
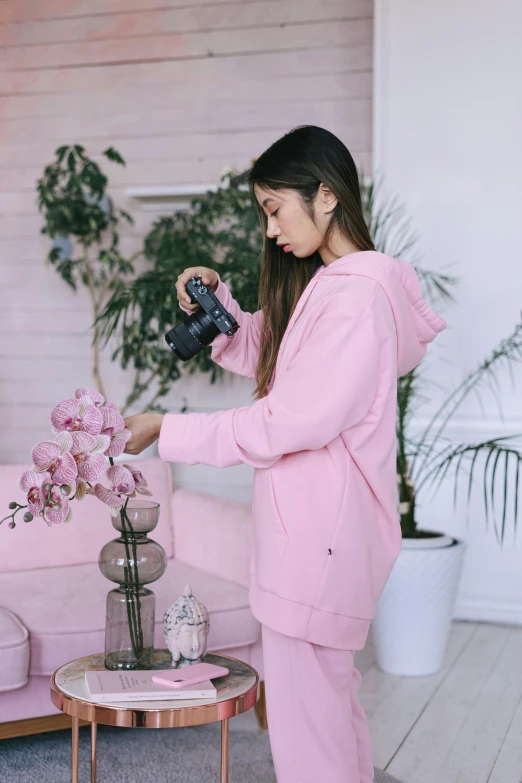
(136, 574)
(131, 614)
(132, 590)
(12, 516)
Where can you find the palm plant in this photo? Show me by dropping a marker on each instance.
(421, 461)
(430, 462)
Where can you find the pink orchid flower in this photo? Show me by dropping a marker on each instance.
(32, 482)
(114, 426)
(57, 510)
(53, 457)
(121, 482)
(87, 431)
(88, 452)
(139, 480)
(76, 415)
(97, 398)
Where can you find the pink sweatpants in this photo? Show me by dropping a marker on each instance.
(318, 730)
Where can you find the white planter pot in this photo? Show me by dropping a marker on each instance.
(415, 609)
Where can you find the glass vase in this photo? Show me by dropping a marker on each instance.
(132, 560)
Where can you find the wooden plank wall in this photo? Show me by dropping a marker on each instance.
(181, 88)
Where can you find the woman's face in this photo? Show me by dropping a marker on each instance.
(289, 223)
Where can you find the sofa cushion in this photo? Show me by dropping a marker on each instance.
(64, 609)
(35, 545)
(14, 652)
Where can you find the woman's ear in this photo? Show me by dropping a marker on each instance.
(327, 200)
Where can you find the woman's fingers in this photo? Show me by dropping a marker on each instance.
(183, 279)
(181, 285)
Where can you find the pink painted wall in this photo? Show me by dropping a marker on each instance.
(181, 90)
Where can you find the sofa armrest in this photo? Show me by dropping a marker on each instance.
(14, 652)
(213, 533)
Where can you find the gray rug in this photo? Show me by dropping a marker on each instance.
(185, 755)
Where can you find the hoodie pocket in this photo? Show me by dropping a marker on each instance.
(278, 528)
(269, 532)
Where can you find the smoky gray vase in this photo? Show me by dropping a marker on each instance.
(132, 560)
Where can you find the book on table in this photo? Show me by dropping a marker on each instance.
(137, 685)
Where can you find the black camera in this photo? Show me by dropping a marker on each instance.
(189, 337)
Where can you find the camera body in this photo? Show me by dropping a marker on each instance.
(189, 337)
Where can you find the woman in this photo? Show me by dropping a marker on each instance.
(338, 323)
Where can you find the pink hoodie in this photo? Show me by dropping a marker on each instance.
(322, 442)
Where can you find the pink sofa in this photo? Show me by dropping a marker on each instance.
(52, 594)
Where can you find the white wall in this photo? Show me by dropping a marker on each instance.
(447, 138)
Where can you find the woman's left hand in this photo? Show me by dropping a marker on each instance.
(145, 428)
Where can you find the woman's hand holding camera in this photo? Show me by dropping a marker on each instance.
(208, 277)
(146, 427)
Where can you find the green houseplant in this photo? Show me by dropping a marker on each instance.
(84, 224)
(221, 229)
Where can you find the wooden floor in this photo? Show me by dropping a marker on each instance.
(460, 725)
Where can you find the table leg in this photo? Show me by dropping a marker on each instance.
(93, 752)
(224, 751)
(75, 741)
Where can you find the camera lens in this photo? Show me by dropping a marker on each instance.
(191, 336)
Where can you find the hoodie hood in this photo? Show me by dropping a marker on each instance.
(417, 324)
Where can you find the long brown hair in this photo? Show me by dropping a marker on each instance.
(300, 160)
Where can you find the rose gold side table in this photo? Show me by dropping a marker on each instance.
(237, 692)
